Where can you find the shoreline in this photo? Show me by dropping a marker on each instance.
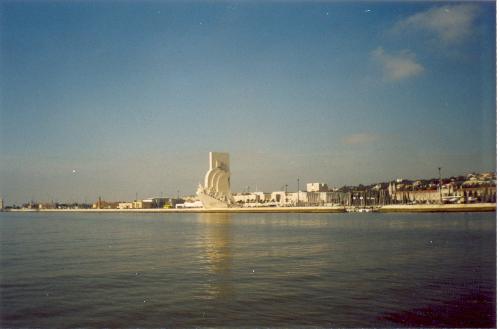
(475, 207)
(197, 210)
(471, 207)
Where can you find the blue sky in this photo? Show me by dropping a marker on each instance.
(114, 98)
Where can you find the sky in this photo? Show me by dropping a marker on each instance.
(116, 98)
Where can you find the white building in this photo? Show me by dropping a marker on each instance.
(142, 204)
(125, 205)
(245, 197)
(195, 204)
(317, 187)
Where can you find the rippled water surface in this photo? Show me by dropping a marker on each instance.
(171, 270)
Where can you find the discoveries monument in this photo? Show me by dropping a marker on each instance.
(216, 193)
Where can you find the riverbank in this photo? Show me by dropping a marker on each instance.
(198, 210)
(472, 207)
(388, 208)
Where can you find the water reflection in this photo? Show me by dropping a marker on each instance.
(284, 220)
(216, 259)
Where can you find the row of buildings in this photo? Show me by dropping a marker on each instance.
(103, 204)
(149, 203)
(472, 188)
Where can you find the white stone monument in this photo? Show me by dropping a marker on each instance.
(216, 192)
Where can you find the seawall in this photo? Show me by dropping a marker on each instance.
(473, 207)
(198, 210)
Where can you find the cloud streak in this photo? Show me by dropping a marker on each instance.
(451, 24)
(398, 66)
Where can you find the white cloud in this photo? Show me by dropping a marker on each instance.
(360, 138)
(397, 66)
(450, 23)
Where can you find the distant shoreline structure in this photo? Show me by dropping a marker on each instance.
(455, 193)
(476, 207)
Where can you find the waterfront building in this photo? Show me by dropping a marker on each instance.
(142, 204)
(263, 196)
(401, 193)
(246, 198)
(101, 204)
(316, 187)
(161, 202)
(47, 205)
(284, 199)
(125, 205)
(281, 197)
(195, 204)
(483, 193)
(174, 202)
(468, 192)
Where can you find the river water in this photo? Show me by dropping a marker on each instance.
(257, 270)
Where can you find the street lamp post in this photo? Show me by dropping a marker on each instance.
(298, 190)
(286, 194)
(440, 186)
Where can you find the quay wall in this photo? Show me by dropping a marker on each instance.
(198, 210)
(472, 207)
(388, 208)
